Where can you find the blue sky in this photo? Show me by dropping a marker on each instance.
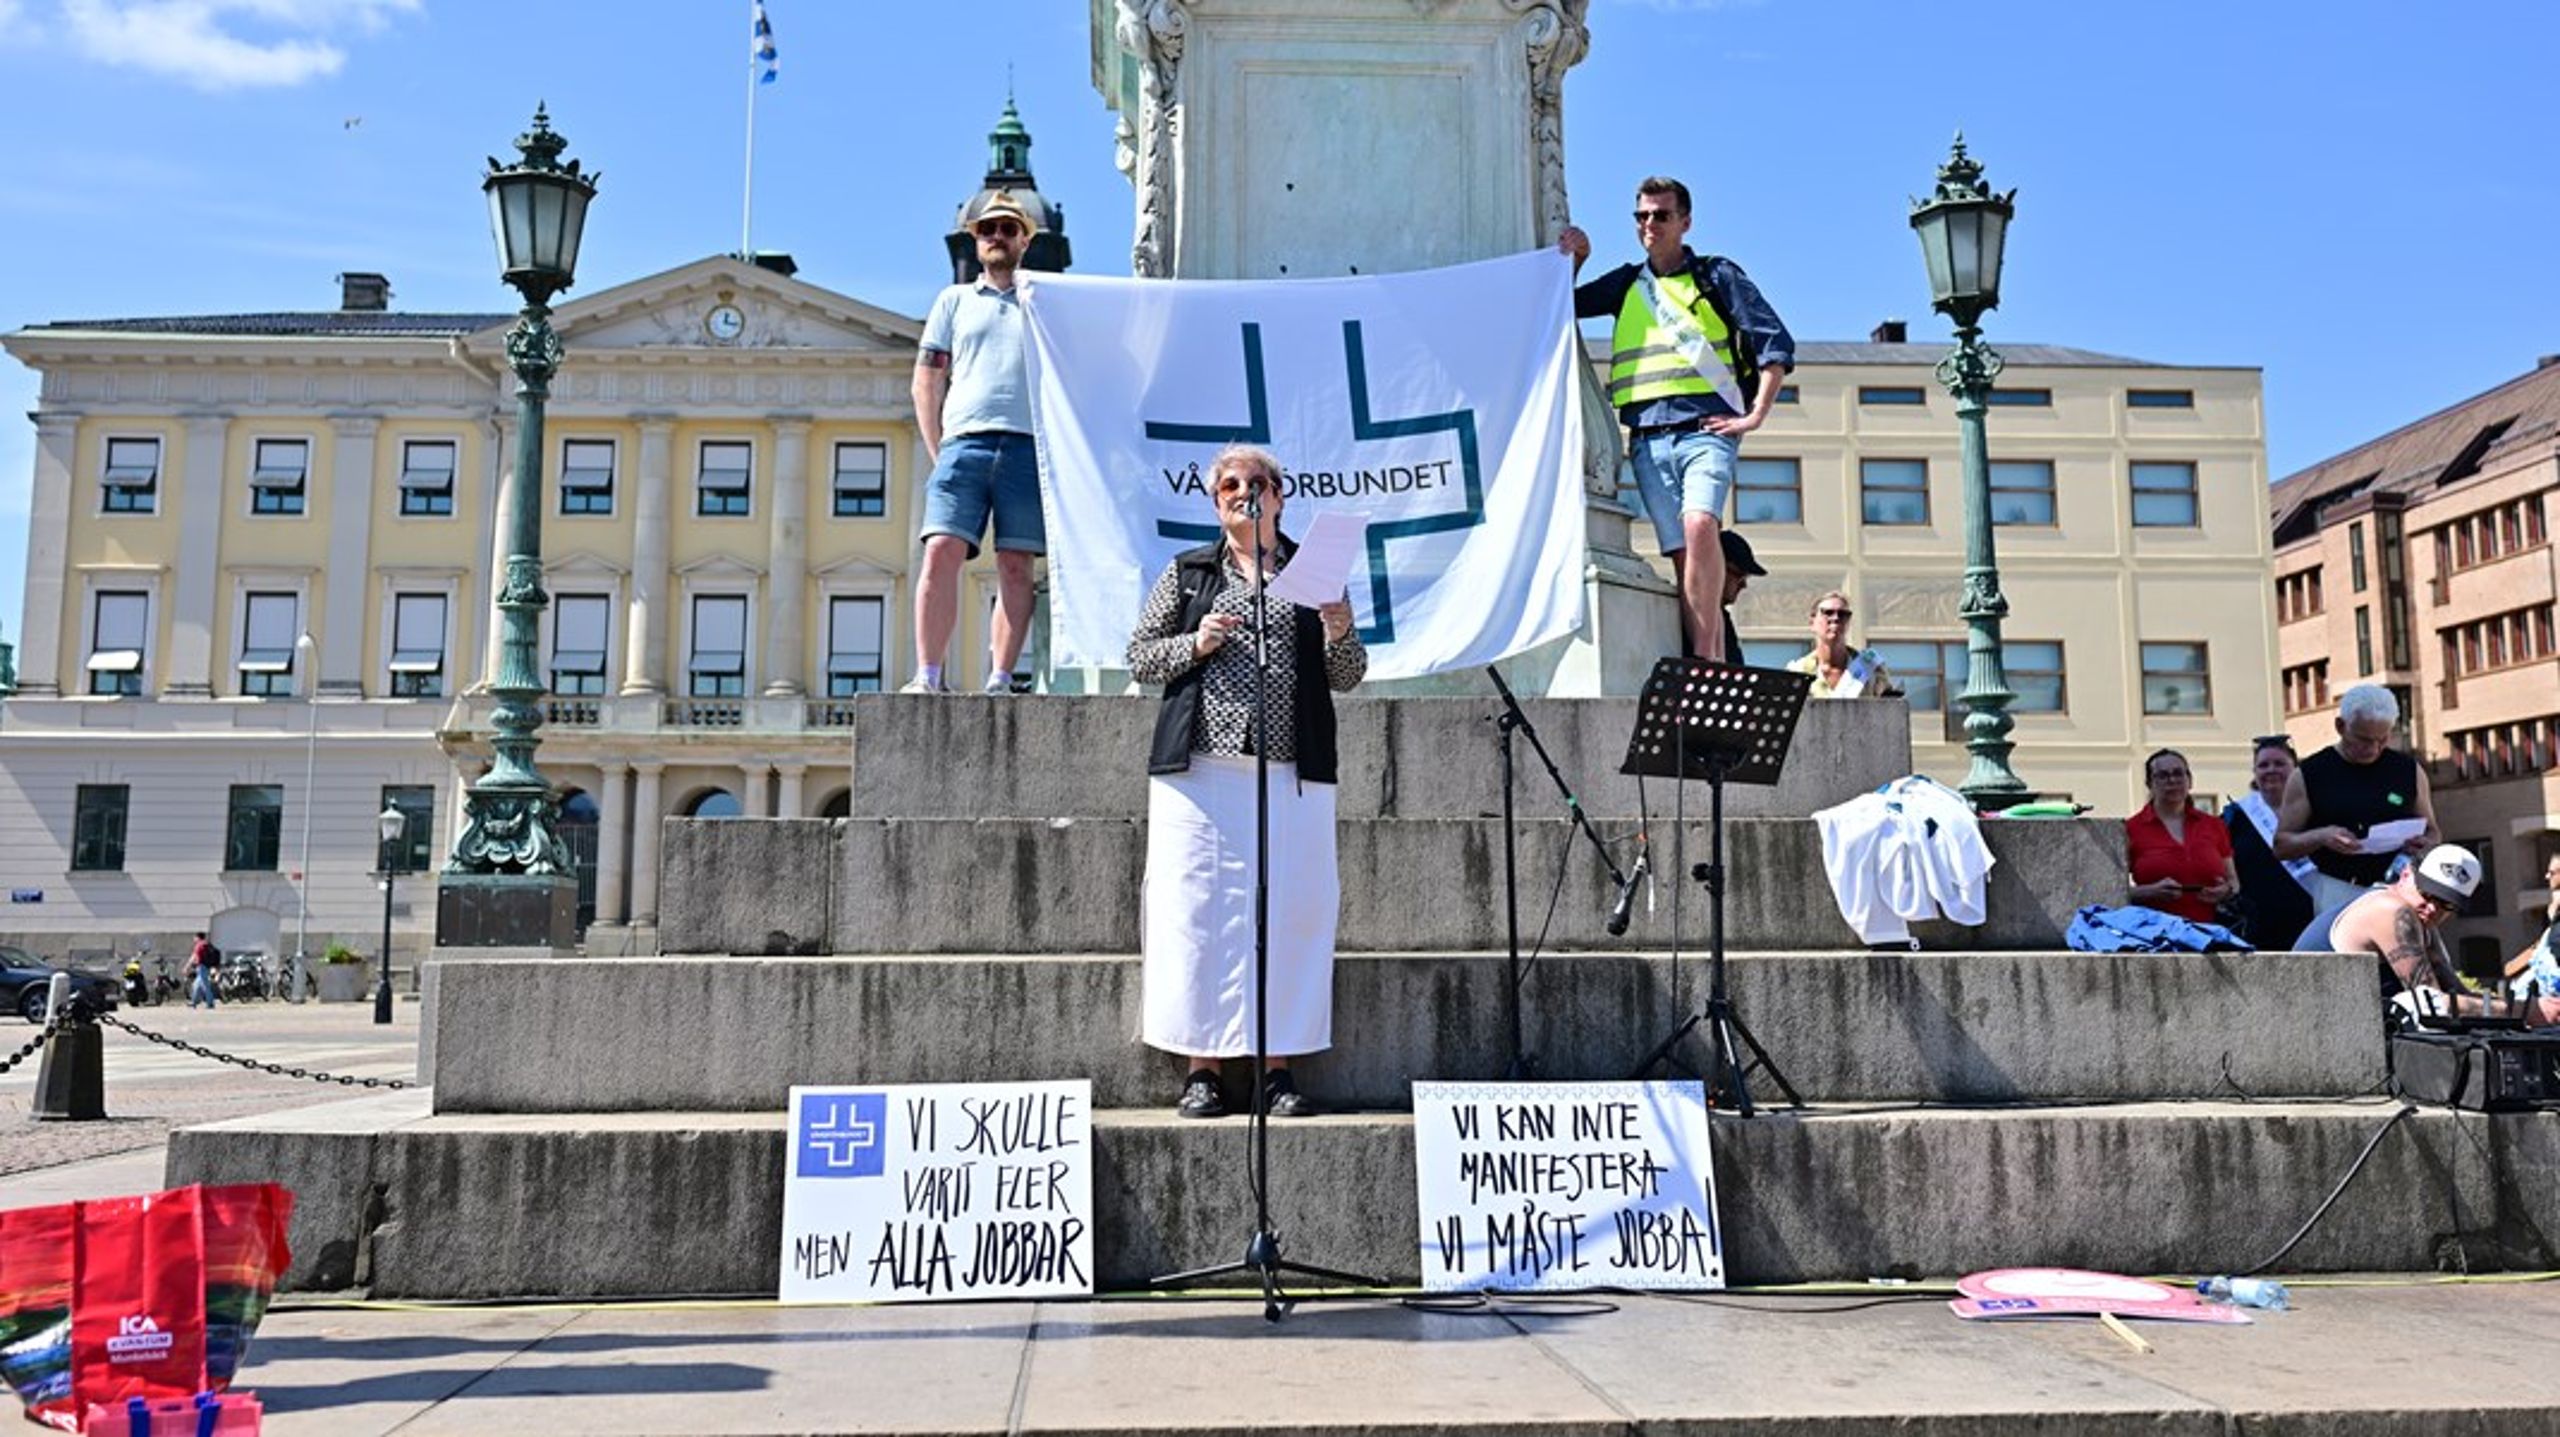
(2355, 196)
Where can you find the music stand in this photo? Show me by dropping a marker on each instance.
(1724, 724)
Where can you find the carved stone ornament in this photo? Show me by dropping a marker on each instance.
(1555, 40)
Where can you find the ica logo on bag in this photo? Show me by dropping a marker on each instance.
(138, 1339)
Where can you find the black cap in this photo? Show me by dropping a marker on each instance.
(1738, 555)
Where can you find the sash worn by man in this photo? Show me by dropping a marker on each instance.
(1695, 362)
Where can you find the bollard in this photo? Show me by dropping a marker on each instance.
(71, 1085)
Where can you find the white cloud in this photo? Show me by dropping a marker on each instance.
(222, 44)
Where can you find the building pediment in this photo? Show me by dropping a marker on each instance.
(720, 307)
(719, 567)
(581, 564)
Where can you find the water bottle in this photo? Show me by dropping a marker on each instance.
(2246, 1292)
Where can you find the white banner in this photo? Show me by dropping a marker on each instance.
(1561, 1186)
(1440, 406)
(923, 1192)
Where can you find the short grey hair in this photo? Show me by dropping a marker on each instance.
(2367, 702)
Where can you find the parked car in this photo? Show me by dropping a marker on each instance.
(25, 979)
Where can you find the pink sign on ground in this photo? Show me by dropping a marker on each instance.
(2011, 1292)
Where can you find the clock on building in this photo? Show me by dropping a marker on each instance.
(724, 323)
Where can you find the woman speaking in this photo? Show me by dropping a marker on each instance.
(1196, 638)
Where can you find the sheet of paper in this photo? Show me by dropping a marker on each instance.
(2392, 836)
(1326, 554)
(1853, 679)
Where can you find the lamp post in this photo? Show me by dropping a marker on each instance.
(538, 208)
(1963, 230)
(303, 650)
(393, 824)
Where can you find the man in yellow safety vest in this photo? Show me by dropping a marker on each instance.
(1695, 361)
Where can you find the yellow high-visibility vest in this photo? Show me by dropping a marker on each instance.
(1644, 365)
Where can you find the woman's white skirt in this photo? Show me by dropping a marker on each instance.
(1197, 931)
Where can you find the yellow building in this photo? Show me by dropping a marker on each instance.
(730, 508)
(2421, 560)
(2128, 499)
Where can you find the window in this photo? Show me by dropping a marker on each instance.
(2159, 399)
(1774, 653)
(578, 627)
(2164, 494)
(862, 480)
(1892, 394)
(2364, 641)
(718, 668)
(257, 821)
(1768, 491)
(426, 476)
(97, 827)
(416, 853)
(1787, 395)
(2306, 687)
(267, 630)
(2174, 679)
(1894, 491)
(2022, 398)
(727, 469)
(119, 632)
(586, 476)
(2355, 557)
(417, 646)
(1930, 671)
(2034, 670)
(281, 476)
(853, 646)
(132, 477)
(2022, 491)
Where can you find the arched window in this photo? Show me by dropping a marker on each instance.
(714, 803)
(838, 805)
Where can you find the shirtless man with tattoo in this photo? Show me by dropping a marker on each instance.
(2398, 925)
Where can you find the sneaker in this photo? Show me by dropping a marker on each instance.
(1201, 1098)
(917, 685)
(997, 684)
(1281, 1098)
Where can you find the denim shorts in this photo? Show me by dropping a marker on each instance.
(975, 473)
(1682, 471)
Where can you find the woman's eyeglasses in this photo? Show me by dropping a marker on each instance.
(1831, 613)
(1238, 484)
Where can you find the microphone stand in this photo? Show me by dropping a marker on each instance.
(1262, 1251)
(1524, 1065)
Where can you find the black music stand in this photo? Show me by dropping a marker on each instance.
(1724, 724)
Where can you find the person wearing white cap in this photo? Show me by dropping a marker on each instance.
(2398, 923)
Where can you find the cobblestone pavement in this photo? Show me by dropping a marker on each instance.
(151, 1089)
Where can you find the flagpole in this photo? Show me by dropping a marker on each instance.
(747, 201)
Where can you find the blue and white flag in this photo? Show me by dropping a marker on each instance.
(764, 53)
(1440, 406)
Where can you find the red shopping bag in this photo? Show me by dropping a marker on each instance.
(137, 1298)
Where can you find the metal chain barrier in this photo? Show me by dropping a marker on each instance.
(44, 1035)
(278, 1069)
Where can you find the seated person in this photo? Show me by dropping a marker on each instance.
(2271, 889)
(2179, 856)
(1839, 670)
(2398, 926)
(2537, 968)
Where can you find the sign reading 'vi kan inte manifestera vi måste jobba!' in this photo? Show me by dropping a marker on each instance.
(930, 1192)
(1559, 1186)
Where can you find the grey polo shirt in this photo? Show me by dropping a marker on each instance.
(980, 327)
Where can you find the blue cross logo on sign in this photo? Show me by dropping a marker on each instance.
(843, 1135)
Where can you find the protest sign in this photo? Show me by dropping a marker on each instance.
(927, 1192)
(1557, 1186)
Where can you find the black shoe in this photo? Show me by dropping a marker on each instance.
(1201, 1098)
(1281, 1098)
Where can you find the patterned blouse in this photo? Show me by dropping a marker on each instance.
(1160, 652)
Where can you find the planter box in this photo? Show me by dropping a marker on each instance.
(342, 982)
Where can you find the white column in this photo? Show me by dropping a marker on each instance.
(613, 810)
(347, 584)
(791, 803)
(493, 542)
(644, 669)
(754, 794)
(786, 578)
(193, 597)
(647, 811)
(41, 672)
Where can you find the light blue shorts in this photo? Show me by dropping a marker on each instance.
(993, 470)
(1682, 471)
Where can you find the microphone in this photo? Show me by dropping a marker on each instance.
(1627, 894)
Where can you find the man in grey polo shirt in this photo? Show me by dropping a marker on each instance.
(973, 404)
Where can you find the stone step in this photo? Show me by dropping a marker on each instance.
(963, 756)
(412, 1204)
(1071, 886)
(594, 1035)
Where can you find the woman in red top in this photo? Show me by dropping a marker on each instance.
(2179, 855)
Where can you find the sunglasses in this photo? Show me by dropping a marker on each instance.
(1656, 217)
(1237, 484)
(1005, 229)
(1831, 613)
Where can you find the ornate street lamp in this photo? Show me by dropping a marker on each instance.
(538, 208)
(1964, 229)
(393, 824)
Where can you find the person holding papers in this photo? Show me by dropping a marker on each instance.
(1195, 638)
(2178, 856)
(2356, 805)
(1839, 670)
